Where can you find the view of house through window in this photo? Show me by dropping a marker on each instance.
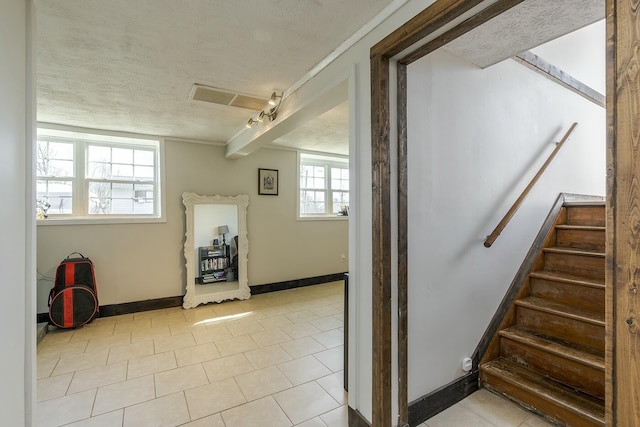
(324, 185)
(83, 175)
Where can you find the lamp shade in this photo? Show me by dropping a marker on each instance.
(223, 229)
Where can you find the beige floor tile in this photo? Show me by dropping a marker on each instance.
(457, 416)
(495, 409)
(164, 344)
(111, 419)
(185, 328)
(263, 382)
(55, 336)
(114, 319)
(329, 339)
(264, 412)
(268, 356)
(227, 367)
(196, 354)
(133, 325)
(327, 323)
(130, 351)
(301, 316)
(63, 349)
(334, 385)
(169, 382)
(302, 347)
(147, 365)
(212, 334)
(76, 362)
(303, 370)
(64, 410)
(106, 342)
(99, 376)
(92, 331)
(123, 394)
(535, 421)
(270, 337)
(244, 327)
(275, 322)
(299, 330)
(214, 420)
(45, 365)
(172, 320)
(211, 398)
(236, 345)
(332, 358)
(336, 418)
(326, 310)
(313, 422)
(150, 314)
(305, 401)
(149, 334)
(165, 411)
(51, 388)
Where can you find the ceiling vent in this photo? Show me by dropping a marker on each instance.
(223, 97)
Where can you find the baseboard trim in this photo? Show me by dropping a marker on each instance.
(437, 401)
(356, 419)
(169, 302)
(297, 283)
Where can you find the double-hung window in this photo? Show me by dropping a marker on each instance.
(324, 186)
(96, 177)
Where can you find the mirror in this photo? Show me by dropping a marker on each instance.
(215, 248)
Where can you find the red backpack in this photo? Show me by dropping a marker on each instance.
(73, 300)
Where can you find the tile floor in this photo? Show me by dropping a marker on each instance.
(273, 360)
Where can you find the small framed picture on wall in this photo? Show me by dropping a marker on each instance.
(268, 182)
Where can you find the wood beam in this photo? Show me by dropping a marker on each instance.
(381, 239)
(622, 354)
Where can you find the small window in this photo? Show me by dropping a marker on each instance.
(83, 176)
(324, 186)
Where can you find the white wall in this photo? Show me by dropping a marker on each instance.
(476, 138)
(136, 262)
(16, 258)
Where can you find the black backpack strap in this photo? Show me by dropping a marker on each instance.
(69, 256)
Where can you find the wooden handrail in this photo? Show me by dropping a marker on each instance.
(502, 224)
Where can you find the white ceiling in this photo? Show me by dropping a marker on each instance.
(129, 65)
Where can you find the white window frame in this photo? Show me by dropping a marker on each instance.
(82, 139)
(328, 161)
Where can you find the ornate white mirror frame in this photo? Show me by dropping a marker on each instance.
(217, 291)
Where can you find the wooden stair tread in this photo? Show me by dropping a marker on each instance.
(561, 309)
(572, 251)
(580, 227)
(574, 279)
(585, 406)
(581, 354)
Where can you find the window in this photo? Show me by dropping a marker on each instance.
(324, 186)
(83, 176)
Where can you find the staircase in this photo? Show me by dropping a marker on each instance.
(551, 359)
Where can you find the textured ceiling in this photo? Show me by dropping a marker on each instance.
(129, 65)
(523, 27)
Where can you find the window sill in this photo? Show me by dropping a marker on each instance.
(99, 221)
(323, 218)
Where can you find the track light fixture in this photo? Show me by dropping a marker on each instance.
(271, 112)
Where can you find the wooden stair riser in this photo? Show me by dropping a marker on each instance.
(588, 297)
(582, 377)
(567, 329)
(584, 265)
(586, 215)
(581, 239)
(540, 403)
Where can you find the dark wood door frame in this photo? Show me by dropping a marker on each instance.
(623, 200)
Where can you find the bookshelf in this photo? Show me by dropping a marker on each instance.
(214, 263)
